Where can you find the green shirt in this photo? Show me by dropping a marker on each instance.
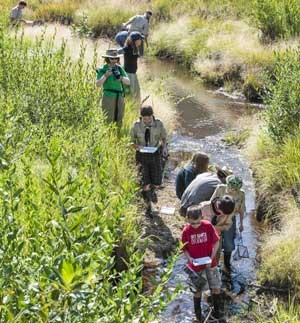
(157, 133)
(111, 83)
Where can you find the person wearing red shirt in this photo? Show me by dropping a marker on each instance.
(200, 239)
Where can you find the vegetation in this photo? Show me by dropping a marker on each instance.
(67, 199)
(277, 18)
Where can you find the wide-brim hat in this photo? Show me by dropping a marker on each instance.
(112, 53)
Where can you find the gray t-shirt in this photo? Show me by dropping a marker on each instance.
(16, 13)
(200, 189)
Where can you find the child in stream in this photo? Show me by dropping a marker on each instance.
(200, 239)
(232, 188)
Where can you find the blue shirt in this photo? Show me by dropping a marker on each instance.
(184, 177)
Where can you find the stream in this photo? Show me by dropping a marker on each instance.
(203, 118)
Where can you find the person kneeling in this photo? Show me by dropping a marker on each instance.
(200, 240)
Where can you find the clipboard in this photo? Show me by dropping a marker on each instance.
(148, 150)
(202, 261)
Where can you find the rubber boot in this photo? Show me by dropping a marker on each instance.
(227, 264)
(197, 308)
(153, 196)
(149, 212)
(218, 303)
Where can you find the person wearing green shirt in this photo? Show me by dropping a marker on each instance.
(111, 77)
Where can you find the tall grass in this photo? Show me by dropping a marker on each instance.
(277, 18)
(282, 116)
(67, 195)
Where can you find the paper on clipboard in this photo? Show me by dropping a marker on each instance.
(167, 210)
(202, 261)
(149, 150)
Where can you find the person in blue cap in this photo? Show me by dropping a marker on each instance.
(121, 37)
(131, 55)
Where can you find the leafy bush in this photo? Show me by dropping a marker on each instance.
(282, 115)
(277, 18)
(67, 196)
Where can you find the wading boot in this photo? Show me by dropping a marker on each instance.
(227, 264)
(218, 311)
(197, 308)
(149, 211)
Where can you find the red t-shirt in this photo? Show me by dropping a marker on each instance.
(200, 242)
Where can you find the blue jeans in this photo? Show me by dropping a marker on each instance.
(228, 237)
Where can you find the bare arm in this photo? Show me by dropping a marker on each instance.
(103, 78)
(215, 249)
(187, 256)
(125, 80)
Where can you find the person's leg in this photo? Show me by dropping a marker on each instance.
(108, 106)
(121, 110)
(197, 305)
(155, 175)
(214, 282)
(228, 244)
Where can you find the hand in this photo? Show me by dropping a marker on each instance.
(108, 73)
(165, 152)
(137, 147)
(241, 227)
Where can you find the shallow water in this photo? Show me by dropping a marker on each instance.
(203, 117)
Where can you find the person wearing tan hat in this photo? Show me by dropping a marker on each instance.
(111, 77)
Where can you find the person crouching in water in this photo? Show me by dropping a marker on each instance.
(232, 188)
(198, 165)
(112, 77)
(131, 55)
(200, 239)
(149, 132)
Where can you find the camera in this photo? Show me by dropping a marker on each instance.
(116, 72)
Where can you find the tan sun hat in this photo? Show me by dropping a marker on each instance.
(112, 53)
(224, 171)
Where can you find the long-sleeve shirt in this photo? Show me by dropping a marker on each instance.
(183, 179)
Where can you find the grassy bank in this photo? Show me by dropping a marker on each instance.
(67, 194)
(275, 155)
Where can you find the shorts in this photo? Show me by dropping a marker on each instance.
(198, 279)
(150, 168)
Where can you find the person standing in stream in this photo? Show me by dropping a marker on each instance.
(112, 77)
(149, 132)
(233, 188)
(131, 55)
(200, 239)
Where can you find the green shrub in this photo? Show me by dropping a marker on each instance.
(282, 115)
(277, 18)
(67, 196)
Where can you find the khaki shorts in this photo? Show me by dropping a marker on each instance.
(211, 275)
